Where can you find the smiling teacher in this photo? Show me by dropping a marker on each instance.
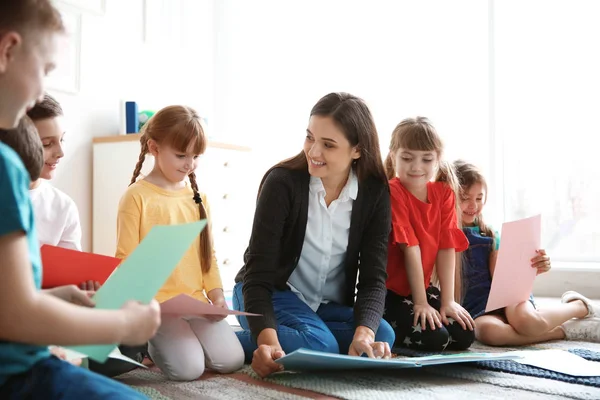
(322, 217)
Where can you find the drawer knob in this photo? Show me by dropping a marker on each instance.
(226, 229)
(226, 261)
(225, 196)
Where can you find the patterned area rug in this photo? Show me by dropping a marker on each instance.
(153, 384)
(449, 381)
(439, 382)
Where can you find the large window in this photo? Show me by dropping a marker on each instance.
(511, 85)
(547, 97)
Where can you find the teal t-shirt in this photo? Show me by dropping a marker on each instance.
(16, 214)
(496, 237)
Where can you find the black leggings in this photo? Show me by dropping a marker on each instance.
(115, 367)
(399, 313)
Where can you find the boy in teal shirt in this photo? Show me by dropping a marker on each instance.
(31, 319)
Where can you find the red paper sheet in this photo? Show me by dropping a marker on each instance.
(71, 267)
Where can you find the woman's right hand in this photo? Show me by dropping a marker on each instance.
(141, 322)
(263, 360)
(425, 313)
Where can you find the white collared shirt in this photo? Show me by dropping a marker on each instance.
(320, 276)
(56, 217)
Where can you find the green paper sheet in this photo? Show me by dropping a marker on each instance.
(143, 273)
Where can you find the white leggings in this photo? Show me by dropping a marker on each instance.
(183, 347)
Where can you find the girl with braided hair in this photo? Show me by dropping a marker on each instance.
(182, 347)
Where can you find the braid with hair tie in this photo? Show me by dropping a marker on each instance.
(141, 159)
(206, 247)
(197, 198)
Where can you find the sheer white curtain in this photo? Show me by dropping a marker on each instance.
(547, 108)
(512, 86)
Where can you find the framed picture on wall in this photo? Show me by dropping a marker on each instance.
(66, 77)
(97, 7)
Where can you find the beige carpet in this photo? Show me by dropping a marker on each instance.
(440, 382)
(443, 382)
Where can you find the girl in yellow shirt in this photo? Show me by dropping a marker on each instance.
(182, 347)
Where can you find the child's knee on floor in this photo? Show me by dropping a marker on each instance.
(460, 339)
(185, 371)
(424, 339)
(489, 330)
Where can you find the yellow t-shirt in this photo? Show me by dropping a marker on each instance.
(144, 205)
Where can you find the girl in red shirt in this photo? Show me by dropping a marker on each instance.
(425, 234)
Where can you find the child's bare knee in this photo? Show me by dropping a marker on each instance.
(527, 321)
(488, 333)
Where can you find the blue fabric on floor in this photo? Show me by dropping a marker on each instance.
(513, 367)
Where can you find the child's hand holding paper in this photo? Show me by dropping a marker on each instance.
(142, 322)
(90, 285)
(162, 249)
(217, 298)
(72, 294)
(541, 262)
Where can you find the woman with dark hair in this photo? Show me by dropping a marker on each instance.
(322, 219)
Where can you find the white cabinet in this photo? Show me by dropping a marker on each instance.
(224, 173)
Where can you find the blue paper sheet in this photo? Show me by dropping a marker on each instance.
(143, 273)
(307, 360)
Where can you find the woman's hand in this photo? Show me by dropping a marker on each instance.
(425, 313)
(364, 342)
(73, 294)
(263, 360)
(541, 262)
(454, 310)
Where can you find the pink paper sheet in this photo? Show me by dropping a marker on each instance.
(513, 277)
(186, 305)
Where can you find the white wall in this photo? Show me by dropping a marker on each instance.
(275, 59)
(255, 69)
(117, 64)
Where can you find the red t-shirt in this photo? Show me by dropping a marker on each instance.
(431, 226)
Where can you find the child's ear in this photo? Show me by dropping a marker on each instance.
(8, 43)
(152, 147)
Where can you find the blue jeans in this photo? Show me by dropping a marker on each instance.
(330, 329)
(56, 379)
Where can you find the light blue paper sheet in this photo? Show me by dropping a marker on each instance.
(143, 273)
(307, 360)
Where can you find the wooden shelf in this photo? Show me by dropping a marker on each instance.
(135, 137)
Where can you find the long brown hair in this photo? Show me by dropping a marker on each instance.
(354, 119)
(468, 175)
(178, 127)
